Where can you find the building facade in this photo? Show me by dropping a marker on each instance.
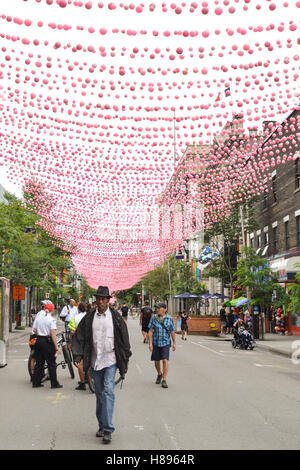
(278, 209)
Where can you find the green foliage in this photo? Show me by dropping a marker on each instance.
(86, 291)
(223, 237)
(294, 291)
(30, 257)
(254, 273)
(157, 282)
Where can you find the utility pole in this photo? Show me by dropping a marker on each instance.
(170, 286)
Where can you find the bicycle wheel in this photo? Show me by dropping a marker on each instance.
(68, 361)
(31, 366)
(91, 381)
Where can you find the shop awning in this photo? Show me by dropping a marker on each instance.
(283, 266)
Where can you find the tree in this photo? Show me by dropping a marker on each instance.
(294, 291)
(223, 237)
(254, 273)
(29, 255)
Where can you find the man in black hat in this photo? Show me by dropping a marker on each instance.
(101, 341)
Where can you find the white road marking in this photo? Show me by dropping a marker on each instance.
(263, 365)
(139, 427)
(209, 349)
(139, 369)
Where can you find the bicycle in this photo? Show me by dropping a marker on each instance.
(61, 343)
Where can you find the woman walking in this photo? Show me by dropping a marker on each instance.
(184, 328)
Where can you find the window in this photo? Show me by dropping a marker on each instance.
(287, 235)
(252, 243)
(298, 229)
(265, 200)
(258, 241)
(275, 239)
(297, 173)
(274, 188)
(266, 238)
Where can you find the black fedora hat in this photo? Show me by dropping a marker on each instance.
(102, 291)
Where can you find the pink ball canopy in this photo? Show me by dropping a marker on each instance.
(134, 137)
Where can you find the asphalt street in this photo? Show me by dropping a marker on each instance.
(218, 398)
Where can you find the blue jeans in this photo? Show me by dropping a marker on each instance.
(104, 381)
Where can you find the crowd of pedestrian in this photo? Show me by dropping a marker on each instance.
(229, 319)
(98, 341)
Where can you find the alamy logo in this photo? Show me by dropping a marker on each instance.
(296, 353)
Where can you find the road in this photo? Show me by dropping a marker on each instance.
(218, 398)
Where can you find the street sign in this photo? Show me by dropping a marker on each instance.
(18, 293)
(47, 295)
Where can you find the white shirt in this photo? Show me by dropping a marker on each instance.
(103, 341)
(41, 311)
(68, 312)
(44, 323)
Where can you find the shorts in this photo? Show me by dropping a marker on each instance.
(184, 328)
(160, 353)
(145, 327)
(223, 323)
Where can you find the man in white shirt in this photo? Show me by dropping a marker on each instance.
(101, 342)
(67, 313)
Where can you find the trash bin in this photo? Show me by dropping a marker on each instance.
(4, 319)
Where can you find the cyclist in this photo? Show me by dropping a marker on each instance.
(73, 325)
(44, 327)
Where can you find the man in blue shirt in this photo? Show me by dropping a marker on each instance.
(161, 329)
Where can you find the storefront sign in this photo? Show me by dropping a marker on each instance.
(18, 293)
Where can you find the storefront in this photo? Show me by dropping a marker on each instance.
(286, 269)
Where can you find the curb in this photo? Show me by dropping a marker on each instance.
(274, 350)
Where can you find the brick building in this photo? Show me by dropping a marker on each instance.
(278, 211)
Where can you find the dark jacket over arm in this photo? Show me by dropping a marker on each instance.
(82, 343)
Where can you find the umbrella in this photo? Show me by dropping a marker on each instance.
(234, 302)
(219, 296)
(206, 296)
(186, 295)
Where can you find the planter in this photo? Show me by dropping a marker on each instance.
(208, 326)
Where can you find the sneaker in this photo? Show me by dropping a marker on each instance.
(107, 437)
(100, 432)
(164, 384)
(81, 386)
(158, 380)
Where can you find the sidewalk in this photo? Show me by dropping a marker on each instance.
(16, 334)
(272, 342)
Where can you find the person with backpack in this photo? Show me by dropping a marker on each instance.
(161, 329)
(145, 317)
(124, 312)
